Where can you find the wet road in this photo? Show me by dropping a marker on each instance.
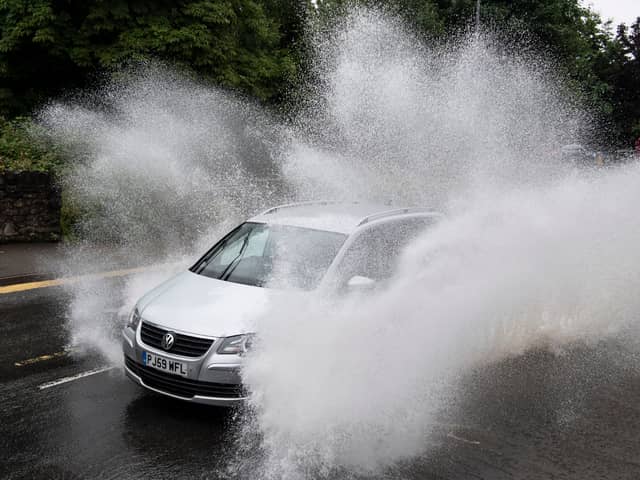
(99, 426)
(538, 416)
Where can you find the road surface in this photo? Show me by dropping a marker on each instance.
(538, 416)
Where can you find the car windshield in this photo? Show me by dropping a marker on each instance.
(273, 256)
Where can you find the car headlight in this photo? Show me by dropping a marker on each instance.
(236, 345)
(134, 319)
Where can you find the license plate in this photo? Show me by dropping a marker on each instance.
(164, 364)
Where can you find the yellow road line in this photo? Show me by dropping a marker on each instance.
(41, 358)
(20, 287)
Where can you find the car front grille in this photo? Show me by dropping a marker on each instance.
(185, 345)
(183, 387)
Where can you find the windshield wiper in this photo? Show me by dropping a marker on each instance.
(226, 273)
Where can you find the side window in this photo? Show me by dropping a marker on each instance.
(376, 251)
(366, 257)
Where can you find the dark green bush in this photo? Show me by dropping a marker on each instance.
(24, 147)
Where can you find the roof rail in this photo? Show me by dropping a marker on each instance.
(302, 204)
(397, 211)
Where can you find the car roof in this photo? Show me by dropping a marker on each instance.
(340, 217)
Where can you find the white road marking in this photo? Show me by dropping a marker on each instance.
(78, 376)
(464, 440)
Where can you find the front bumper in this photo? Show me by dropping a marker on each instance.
(207, 382)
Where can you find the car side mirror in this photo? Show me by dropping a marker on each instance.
(360, 283)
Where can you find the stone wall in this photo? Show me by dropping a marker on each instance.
(29, 207)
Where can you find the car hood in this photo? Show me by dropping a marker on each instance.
(196, 304)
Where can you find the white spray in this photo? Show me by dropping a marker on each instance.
(531, 252)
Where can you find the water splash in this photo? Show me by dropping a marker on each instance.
(388, 111)
(358, 384)
(531, 253)
(161, 166)
(163, 159)
(350, 388)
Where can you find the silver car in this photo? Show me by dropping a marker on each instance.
(186, 337)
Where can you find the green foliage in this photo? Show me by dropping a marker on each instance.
(24, 148)
(71, 216)
(619, 69)
(47, 46)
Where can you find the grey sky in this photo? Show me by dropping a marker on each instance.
(619, 10)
